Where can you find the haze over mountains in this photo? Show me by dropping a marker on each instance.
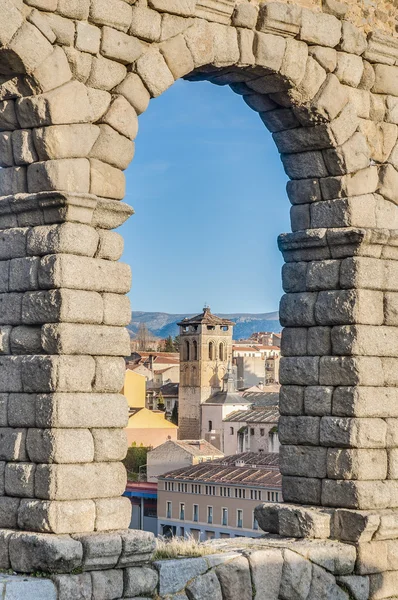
(163, 324)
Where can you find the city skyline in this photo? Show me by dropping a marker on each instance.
(198, 132)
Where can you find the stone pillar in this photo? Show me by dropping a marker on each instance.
(62, 316)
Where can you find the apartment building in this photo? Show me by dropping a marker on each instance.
(217, 499)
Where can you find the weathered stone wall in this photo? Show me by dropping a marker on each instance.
(73, 78)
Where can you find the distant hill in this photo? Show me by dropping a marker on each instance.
(163, 324)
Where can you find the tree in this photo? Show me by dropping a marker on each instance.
(169, 346)
(160, 402)
(176, 343)
(142, 337)
(174, 414)
(136, 458)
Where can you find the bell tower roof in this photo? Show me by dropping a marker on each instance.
(205, 317)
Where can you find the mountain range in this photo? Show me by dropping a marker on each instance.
(163, 324)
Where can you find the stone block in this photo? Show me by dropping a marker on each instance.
(356, 464)
(80, 64)
(352, 156)
(64, 305)
(106, 181)
(299, 430)
(65, 141)
(294, 341)
(177, 56)
(299, 371)
(46, 374)
(112, 514)
(296, 576)
(234, 578)
(349, 68)
(185, 8)
(346, 370)
(386, 80)
(294, 277)
(266, 582)
(119, 46)
(301, 490)
(200, 41)
(100, 551)
(9, 512)
(353, 40)
(60, 446)
(81, 411)
(353, 432)
(30, 552)
(54, 71)
(71, 338)
(138, 547)
(21, 411)
(388, 183)
(13, 444)
(71, 175)
(13, 181)
(318, 400)
(245, 15)
(326, 57)
(135, 92)
(23, 274)
(113, 13)
(279, 18)
(5, 339)
(109, 374)
(11, 24)
(74, 9)
(20, 480)
(269, 50)
(73, 586)
(349, 306)
(353, 184)
(299, 522)
(80, 482)
(79, 272)
(64, 29)
(110, 444)
(382, 585)
(320, 28)
(11, 376)
(143, 580)
(106, 74)
(122, 117)
(111, 245)
(88, 37)
(6, 154)
(8, 117)
(24, 151)
(225, 44)
(298, 309)
(146, 24)
(304, 165)
(25, 340)
(113, 148)
(323, 275)
(303, 461)
(319, 341)
(291, 400)
(359, 494)
(28, 49)
(107, 585)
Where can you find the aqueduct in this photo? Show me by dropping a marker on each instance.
(75, 74)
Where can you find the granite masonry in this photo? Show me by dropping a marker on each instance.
(74, 76)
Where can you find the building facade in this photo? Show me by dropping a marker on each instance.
(252, 430)
(217, 499)
(205, 352)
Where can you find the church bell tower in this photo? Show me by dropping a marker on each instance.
(205, 351)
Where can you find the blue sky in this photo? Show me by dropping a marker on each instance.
(208, 190)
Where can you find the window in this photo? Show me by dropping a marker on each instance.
(262, 432)
(253, 495)
(210, 515)
(277, 496)
(231, 430)
(224, 328)
(195, 350)
(168, 510)
(210, 425)
(224, 513)
(255, 524)
(251, 431)
(196, 489)
(259, 495)
(211, 351)
(195, 513)
(239, 518)
(221, 352)
(187, 350)
(182, 511)
(210, 490)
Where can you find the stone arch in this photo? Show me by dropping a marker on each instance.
(73, 80)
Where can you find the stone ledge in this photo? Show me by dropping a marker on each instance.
(345, 525)
(26, 552)
(47, 208)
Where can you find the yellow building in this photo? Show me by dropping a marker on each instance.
(146, 427)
